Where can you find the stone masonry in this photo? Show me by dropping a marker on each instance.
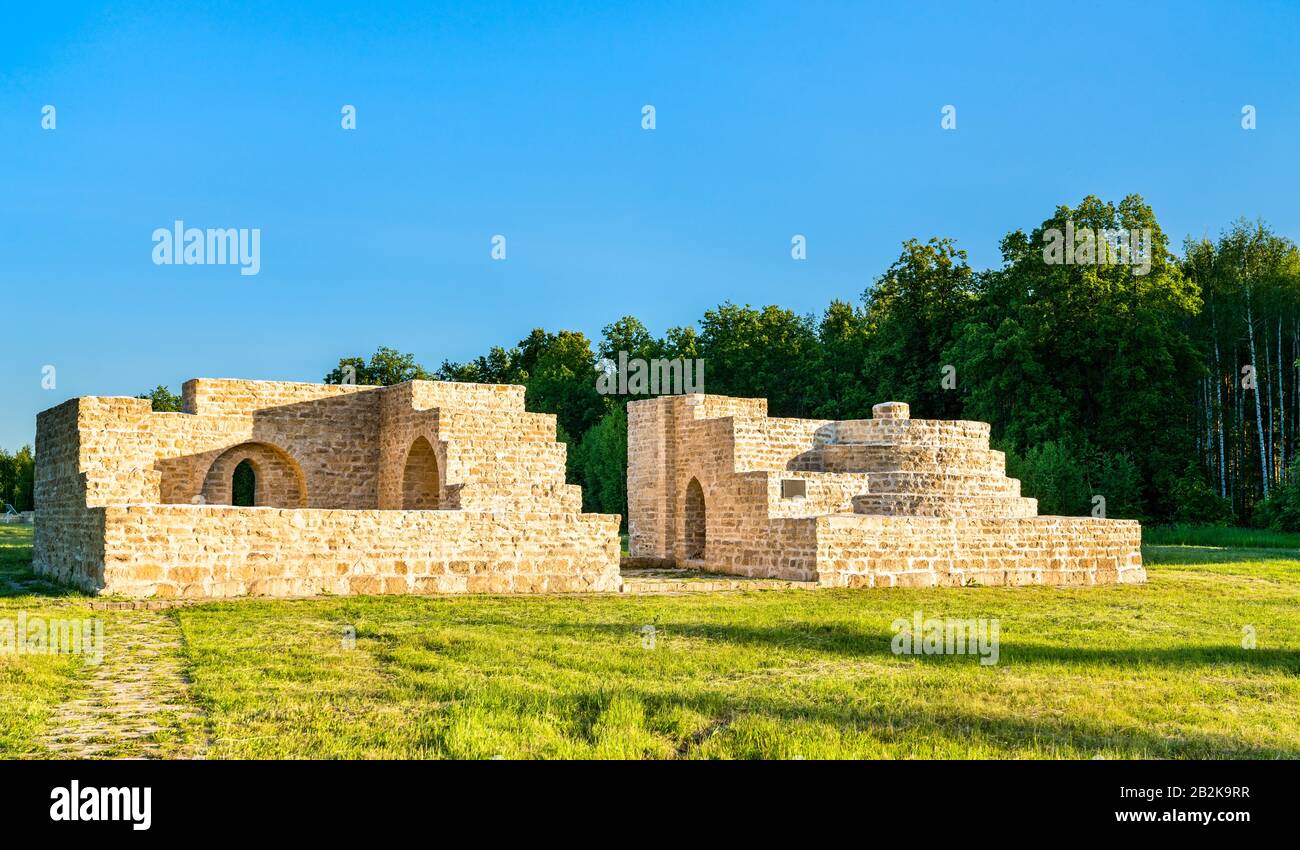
(430, 487)
(715, 483)
(422, 487)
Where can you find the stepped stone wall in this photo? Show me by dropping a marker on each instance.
(429, 487)
(419, 487)
(715, 483)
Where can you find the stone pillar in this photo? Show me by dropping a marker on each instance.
(651, 453)
(891, 410)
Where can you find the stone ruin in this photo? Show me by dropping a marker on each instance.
(422, 487)
(269, 488)
(891, 501)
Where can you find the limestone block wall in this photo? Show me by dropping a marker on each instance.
(364, 465)
(726, 447)
(739, 458)
(401, 424)
(651, 492)
(887, 551)
(68, 540)
(491, 453)
(330, 432)
(824, 493)
(279, 481)
(714, 483)
(131, 455)
(439, 487)
(787, 549)
(349, 445)
(239, 397)
(763, 444)
(198, 551)
(117, 450)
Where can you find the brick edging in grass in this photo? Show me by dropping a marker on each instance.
(629, 587)
(704, 586)
(143, 604)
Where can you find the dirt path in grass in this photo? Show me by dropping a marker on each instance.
(136, 703)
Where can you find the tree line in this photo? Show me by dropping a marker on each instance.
(17, 479)
(1163, 387)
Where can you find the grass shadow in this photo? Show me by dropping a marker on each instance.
(16, 576)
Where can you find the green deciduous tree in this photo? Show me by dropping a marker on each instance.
(18, 479)
(1054, 474)
(163, 400)
(1094, 353)
(603, 464)
(844, 337)
(562, 380)
(912, 311)
(386, 367)
(770, 352)
(1104, 375)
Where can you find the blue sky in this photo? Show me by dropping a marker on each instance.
(525, 120)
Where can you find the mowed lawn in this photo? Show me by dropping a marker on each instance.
(1115, 672)
(31, 685)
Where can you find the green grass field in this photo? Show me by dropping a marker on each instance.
(1230, 538)
(1118, 672)
(30, 685)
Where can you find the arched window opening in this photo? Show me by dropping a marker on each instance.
(243, 485)
(420, 488)
(694, 521)
(254, 474)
